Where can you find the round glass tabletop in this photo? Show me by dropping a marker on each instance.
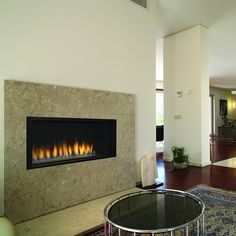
(154, 210)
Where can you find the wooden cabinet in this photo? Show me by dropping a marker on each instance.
(227, 132)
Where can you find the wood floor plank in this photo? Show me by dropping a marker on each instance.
(222, 149)
(215, 176)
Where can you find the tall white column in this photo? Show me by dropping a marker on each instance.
(186, 94)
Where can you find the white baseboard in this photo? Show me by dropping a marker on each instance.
(169, 159)
(200, 164)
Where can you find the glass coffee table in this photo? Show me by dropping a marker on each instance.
(155, 212)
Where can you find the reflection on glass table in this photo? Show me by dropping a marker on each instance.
(155, 212)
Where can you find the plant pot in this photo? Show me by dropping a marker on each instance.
(181, 165)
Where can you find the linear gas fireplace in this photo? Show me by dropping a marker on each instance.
(54, 141)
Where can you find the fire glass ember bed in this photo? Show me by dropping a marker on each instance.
(54, 141)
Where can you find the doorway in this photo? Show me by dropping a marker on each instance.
(159, 120)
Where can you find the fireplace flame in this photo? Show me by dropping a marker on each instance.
(62, 150)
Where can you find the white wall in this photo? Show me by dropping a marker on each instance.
(186, 70)
(1, 147)
(204, 158)
(105, 45)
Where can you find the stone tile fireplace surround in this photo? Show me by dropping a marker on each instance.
(36, 192)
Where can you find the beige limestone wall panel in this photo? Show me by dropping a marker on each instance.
(32, 193)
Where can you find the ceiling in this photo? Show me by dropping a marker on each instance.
(219, 16)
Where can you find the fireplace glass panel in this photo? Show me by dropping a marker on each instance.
(53, 141)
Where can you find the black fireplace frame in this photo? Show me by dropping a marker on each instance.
(30, 119)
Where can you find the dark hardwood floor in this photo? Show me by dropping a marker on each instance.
(215, 176)
(222, 149)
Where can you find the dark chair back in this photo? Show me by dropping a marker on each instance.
(159, 133)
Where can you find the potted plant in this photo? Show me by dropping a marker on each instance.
(180, 158)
